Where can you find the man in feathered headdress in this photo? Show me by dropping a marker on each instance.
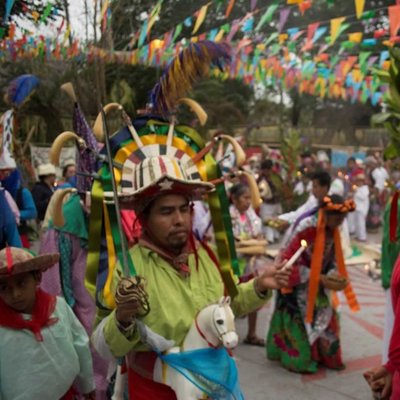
(182, 275)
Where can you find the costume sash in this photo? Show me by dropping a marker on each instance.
(316, 265)
(341, 266)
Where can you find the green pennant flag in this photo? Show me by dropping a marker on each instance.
(364, 95)
(2, 32)
(267, 17)
(334, 61)
(177, 32)
(368, 14)
(364, 55)
(292, 47)
(271, 38)
(332, 78)
(347, 45)
(343, 27)
(376, 82)
(275, 49)
(46, 12)
(219, 4)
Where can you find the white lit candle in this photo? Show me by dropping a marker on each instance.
(295, 256)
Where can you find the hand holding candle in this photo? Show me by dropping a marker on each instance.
(293, 259)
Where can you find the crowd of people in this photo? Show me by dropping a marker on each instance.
(172, 240)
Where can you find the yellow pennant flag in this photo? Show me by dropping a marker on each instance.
(294, 1)
(153, 16)
(66, 34)
(359, 7)
(282, 37)
(355, 37)
(386, 65)
(335, 28)
(357, 76)
(219, 36)
(104, 9)
(200, 18)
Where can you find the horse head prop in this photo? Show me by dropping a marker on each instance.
(214, 326)
(211, 333)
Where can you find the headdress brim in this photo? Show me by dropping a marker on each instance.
(164, 185)
(39, 263)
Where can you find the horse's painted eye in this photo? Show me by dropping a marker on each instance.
(220, 321)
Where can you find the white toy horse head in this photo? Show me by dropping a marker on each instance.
(216, 326)
(212, 327)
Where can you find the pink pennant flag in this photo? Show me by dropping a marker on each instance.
(310, 34)
(298, 34)
(284, 15)
(253, 4)
(234, 28)
(311, 30)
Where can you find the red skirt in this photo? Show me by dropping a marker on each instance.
(70, 395)
(141, 388)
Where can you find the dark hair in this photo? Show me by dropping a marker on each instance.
(351, 159)
(237, 190)
(65, 169)
(323, 178)
(267, 164)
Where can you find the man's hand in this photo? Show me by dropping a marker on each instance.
(128, 300)
(380, 381)
(90, 396)
(276, 277)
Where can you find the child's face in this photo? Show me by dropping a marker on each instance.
(19, 291)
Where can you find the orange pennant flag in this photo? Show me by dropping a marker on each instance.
(359, 7)
(394, 19)
(335, 28)
(229, 8)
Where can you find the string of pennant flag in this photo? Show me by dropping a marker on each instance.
(323, 58)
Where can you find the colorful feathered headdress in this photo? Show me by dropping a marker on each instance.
(154, 153)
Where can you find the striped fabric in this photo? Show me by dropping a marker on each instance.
(160, 173)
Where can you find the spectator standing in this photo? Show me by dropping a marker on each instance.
(68, 175)
(44, 189)
(358, 219)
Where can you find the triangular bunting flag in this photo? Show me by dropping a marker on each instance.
(394, 19)
(335, 27)
(200, 18)
(267, 16)
(359, 8)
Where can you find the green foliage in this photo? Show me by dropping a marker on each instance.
(390, 119)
